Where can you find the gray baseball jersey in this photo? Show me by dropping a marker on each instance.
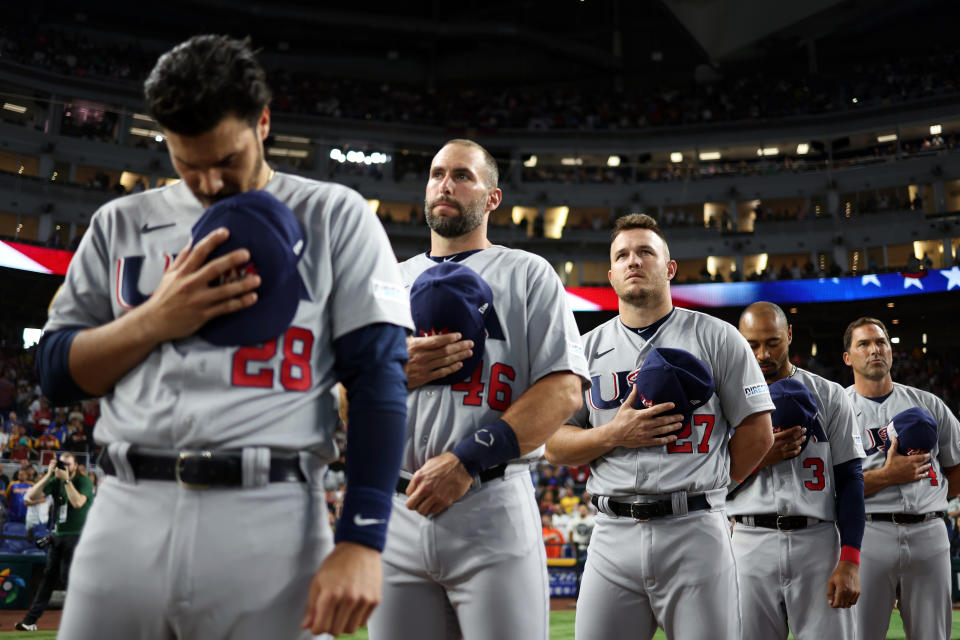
(651, 572)
(479, 568)
(804, 484)
(908, 564)
(190, 394)
(538, 336)
(699, 460)
(922, 496)
(783, 574)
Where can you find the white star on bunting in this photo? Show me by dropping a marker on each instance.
(952, 276)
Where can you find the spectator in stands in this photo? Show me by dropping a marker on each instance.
(74, 492)
(38, 512)
(20, 444)
(40, 411)
(552, 537)
(16, 494)
(76, 439)
(569, 500)
(46, 442)
(28, 470)
(580, 528)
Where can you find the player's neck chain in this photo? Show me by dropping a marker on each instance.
(793, 370)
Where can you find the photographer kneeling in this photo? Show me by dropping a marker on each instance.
(72, 495)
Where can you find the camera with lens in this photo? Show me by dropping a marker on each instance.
(44, 542)
(61, 465)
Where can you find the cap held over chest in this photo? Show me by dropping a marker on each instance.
(268, 229)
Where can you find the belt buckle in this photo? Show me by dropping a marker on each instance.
(636, 514)
(178, 468)
(780, 525)
(897, 520)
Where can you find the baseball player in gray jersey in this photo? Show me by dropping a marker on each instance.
(464, 547)
(789, 559)
(672, 564)
(906, 554)
(212, 521)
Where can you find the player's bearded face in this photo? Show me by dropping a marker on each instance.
(770, 342)
(469, 217)
(640, 268)
(222, 162)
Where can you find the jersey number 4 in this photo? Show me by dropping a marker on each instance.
(252, 368)
(499, 394)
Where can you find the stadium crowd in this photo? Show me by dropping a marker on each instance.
(748, 96)
(30, 427)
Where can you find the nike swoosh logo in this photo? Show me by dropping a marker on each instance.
(597, 354)
(146, 228)
(366, 522)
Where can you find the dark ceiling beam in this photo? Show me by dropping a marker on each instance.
(420, 27)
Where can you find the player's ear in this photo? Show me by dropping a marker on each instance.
(263, 124)
(671, 269)
(493, 200)
(846, 358)
(789, 334)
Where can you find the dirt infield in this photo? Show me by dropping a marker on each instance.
(563, 604)
(9, 617)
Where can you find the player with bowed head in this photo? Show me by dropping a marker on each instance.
(464, 552)
(906, 553)
(660, 554)
(793, 567)
(214, 338)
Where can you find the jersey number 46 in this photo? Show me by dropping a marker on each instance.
(499, 393)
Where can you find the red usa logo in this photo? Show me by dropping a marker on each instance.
(238, 273)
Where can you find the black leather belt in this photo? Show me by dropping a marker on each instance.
(485, 476)
(202, 469)
(648, 510)
(775, 521)
(905, 518)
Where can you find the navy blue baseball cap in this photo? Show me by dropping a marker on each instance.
(452, 298)
(915, 430)
(269, 230)
(677, 376)
(795, 405)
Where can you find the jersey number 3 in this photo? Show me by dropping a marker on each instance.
(251, 366)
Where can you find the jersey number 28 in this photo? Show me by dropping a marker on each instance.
(295, 372)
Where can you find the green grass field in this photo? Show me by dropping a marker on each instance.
(561, 628)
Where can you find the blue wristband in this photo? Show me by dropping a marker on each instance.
(491, 445)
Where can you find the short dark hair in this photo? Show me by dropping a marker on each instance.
(489, 162)
(636, 221)
(201, 81)
(859, 322)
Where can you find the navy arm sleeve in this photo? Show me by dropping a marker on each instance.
(369, 363)
(851, 514)
(53, 367)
